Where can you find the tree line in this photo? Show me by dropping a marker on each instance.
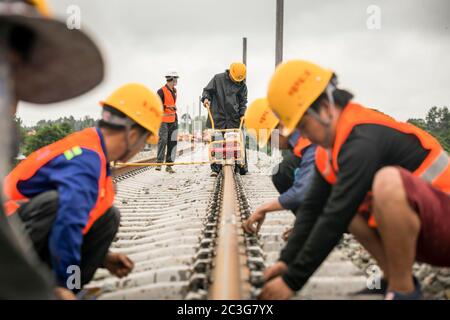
(436, 122)
(48, 131)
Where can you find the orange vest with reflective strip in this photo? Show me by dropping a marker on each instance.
(86, 139)
(169, 114)
(302, 144)
(435, 169)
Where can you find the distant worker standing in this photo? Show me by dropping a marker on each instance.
(226, 95)
(64, 193)
(167, 144)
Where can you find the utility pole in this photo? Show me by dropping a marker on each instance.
(279, 32)
(6, 102)
(244, 50)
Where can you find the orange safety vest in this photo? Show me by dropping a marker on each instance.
(435, 169)
(302, 144)
(86, 139)
(169, 115)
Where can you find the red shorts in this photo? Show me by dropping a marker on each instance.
(433, 208)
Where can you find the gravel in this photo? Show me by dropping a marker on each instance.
(435, 281)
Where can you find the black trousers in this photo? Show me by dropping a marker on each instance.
(167, 143)
(283, 177)
(38, 216)
(22, 275)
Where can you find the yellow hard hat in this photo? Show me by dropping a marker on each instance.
(42, 7)
(140, 104)
(238, 71)
(259, 117)
(294, 86)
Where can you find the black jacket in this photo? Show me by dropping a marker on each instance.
(327, 211)
(228, 101)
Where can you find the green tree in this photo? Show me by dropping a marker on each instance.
(436, 122)
(46, 135)
(21, 128)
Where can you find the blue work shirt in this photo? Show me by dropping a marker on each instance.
(292, 198)
(76, 181)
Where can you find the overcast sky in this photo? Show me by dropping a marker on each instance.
(403, 68)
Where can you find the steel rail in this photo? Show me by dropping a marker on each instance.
(230, 273)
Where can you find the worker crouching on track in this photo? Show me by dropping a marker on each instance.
(226, 95)
(41, 61)
(262, 124)
(398, 171)
(167, 144)
(64, 192)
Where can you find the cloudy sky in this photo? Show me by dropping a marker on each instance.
(403, 68)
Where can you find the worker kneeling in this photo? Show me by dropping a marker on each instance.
(386, 182)
(262, 125)
(64, 192)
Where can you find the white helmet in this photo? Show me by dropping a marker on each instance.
(172, 74)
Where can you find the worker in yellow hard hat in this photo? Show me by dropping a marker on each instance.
(41, 61)
(64, 193)
(398, 172)
(226, 96)
(292, 176)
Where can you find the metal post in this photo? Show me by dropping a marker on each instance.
(15, 248)
(279, 32)
(6, 101)
(244, 50)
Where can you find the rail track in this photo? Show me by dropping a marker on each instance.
(123, 172)
(184, 233)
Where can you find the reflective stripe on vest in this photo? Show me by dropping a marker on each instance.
(302, 144)
(438, 165)
(169, 115)
(435, 169)
(86, 139)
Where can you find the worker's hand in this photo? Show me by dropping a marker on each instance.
(255, 221)
(64, 294)
(286, 234)
(118, 264)
(276, 289)
(275, 270)
(206, 103)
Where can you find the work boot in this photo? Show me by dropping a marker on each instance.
(241, 170)
(158, 168)
(415, 295)
(381, 291)
(169, 169)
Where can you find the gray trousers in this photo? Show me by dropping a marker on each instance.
(38, 216)
(167, 143)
